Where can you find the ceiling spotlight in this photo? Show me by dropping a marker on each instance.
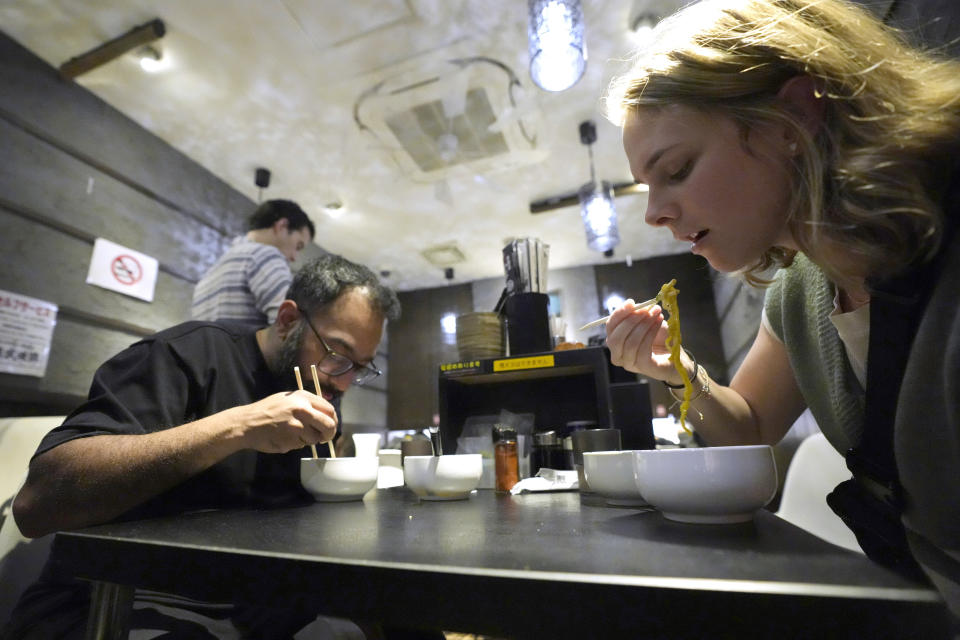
(334, 209)
(641, 27)
(261, 178)
(151, 60)
(558, 53)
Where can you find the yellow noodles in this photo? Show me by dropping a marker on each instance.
(668, 298)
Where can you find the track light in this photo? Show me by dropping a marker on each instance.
(112, 49)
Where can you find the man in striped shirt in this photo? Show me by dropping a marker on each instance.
(248, 283)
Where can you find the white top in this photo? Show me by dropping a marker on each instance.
(853, 328)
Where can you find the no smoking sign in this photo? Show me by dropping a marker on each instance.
(126, 269)
(121, 269)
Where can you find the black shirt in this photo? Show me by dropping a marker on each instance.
(174, 377)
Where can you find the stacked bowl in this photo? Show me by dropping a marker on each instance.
(479, 335)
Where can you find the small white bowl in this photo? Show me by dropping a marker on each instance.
(707, 485)
(338, 479)
(610, 474)
(448, 477)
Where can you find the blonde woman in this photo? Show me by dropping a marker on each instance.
(806, 135)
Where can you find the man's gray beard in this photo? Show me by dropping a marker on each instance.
(288, 357)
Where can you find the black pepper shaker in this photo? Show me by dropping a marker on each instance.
(547, 452)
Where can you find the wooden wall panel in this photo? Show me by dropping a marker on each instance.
(78, 349)
(54, 137)
(417, 348)
(29, 250)
(83, 125)
(48, 184)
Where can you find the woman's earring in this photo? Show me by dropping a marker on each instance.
(793, 147)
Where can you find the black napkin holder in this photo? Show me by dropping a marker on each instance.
(528, 325)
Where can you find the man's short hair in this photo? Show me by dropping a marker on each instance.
(272, 210)
(322, 280)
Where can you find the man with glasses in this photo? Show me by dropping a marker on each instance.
(202, 415)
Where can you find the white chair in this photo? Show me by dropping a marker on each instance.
(21, 559)
(815, 469)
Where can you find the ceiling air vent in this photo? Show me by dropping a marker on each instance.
(466, 116)
(444, 255)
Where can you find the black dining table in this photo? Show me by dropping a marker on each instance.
(539, 565)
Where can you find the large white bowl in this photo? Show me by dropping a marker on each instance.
(710, 484)
(610, 474)
(338, 479)
(448, 477)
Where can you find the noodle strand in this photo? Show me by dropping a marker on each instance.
(668, 298)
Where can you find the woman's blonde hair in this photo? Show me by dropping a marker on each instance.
(868, 183)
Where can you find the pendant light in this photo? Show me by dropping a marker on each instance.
(558, 53)
(596, 201)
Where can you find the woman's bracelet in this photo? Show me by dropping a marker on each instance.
(704, 381)
(704, 389)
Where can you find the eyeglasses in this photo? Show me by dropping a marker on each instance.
(334, 364)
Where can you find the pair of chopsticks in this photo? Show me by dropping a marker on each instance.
(316, 385)
(636, 307)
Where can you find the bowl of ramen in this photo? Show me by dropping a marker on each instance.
(709, 484)
(339, 479)
(450, 477)
(610, 474)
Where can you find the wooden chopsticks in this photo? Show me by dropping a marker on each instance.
(636, 307)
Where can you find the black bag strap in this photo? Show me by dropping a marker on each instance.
(871, 504)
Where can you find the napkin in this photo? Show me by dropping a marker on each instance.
(548, 480)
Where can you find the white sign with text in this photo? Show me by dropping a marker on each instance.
(26, 331)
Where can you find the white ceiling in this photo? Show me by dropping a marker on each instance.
(275, 83)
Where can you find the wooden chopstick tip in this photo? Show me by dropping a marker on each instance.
(296, 372)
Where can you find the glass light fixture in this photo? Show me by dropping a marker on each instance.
(558, 53)
(599, 215)
(596, 201)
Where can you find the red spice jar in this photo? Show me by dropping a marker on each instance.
(506, 461)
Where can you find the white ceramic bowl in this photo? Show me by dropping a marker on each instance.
(338, 479)
(710, 484)
(448, 477)
(610, 474)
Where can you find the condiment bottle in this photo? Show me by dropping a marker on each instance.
(547, 452)
(506, 462)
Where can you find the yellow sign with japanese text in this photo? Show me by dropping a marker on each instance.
(516, 364)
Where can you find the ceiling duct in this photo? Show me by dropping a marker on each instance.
(466, 116)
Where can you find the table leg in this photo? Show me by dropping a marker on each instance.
(110, 606)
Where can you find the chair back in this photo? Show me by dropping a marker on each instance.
(21, 559)
(816, 468)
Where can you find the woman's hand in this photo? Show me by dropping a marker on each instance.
(637, 342)
(286, 421)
